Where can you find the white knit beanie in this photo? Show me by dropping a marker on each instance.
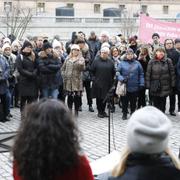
(148, 130)
(75, 46)
(6, 45)
(105, 49)
(56, 43)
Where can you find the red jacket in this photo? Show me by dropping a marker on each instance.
(80, 172)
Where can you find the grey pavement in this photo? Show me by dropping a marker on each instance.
(94, 133)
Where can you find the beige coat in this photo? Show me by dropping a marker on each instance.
(72, 74)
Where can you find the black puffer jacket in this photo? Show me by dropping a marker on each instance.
(49, 70)
(164, 71)
(140, 167)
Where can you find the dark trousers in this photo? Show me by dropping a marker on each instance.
(141, 98)
(132, 98)
(87, 86)
(26, 100)
(101, 105)
(172, 99)
(178, 94)
(73, 99)
(4, 106)
(159, 102)
(16, 94)
(61, 95)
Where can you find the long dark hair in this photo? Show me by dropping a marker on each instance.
(47, 143)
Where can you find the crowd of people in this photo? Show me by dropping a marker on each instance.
(36, 73)
(42, 68)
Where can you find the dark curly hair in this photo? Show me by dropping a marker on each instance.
(47, 143)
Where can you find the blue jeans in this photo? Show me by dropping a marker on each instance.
(48, 92)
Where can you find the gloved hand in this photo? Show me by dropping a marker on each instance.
(125, 80)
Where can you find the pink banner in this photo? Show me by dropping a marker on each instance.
(148, 26)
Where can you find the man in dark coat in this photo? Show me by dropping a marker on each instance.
(103, 73)
(174, 55)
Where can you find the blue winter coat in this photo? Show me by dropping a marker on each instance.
(135, 78)
(4, 74)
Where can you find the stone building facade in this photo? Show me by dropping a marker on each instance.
(88, 14)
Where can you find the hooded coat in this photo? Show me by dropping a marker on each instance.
(162, 70)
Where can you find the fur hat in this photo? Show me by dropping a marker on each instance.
(56, 43)
(155, 34)
(26, 44)
(6, 45)
(148, 130)
(75, 46)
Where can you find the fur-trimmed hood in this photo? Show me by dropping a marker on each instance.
(43, 55)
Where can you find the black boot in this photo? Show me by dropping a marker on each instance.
(91, 109)
(124, 117)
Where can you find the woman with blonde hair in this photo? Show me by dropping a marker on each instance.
(72, 77)
(147, 156)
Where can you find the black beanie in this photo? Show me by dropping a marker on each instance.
(155, 34)
(26, 44)
(46, 45)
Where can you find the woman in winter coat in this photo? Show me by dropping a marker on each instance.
(130, 72)
(103, 72)
(178, 83)
(47, 145)
(49, 71)
(143, 58)
(72, 76)
(160, 78)
(27, 68)
(147, 155)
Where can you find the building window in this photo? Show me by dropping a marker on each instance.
(40, 7)
(97, 8)
(70, 5)
(122, 7)
(144, 8)
(165, 9)
(7, 6)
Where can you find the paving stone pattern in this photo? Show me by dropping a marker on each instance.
(94, 135)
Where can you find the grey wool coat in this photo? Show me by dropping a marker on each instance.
(72, 74)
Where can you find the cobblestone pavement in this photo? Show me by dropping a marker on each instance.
(94, 136)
